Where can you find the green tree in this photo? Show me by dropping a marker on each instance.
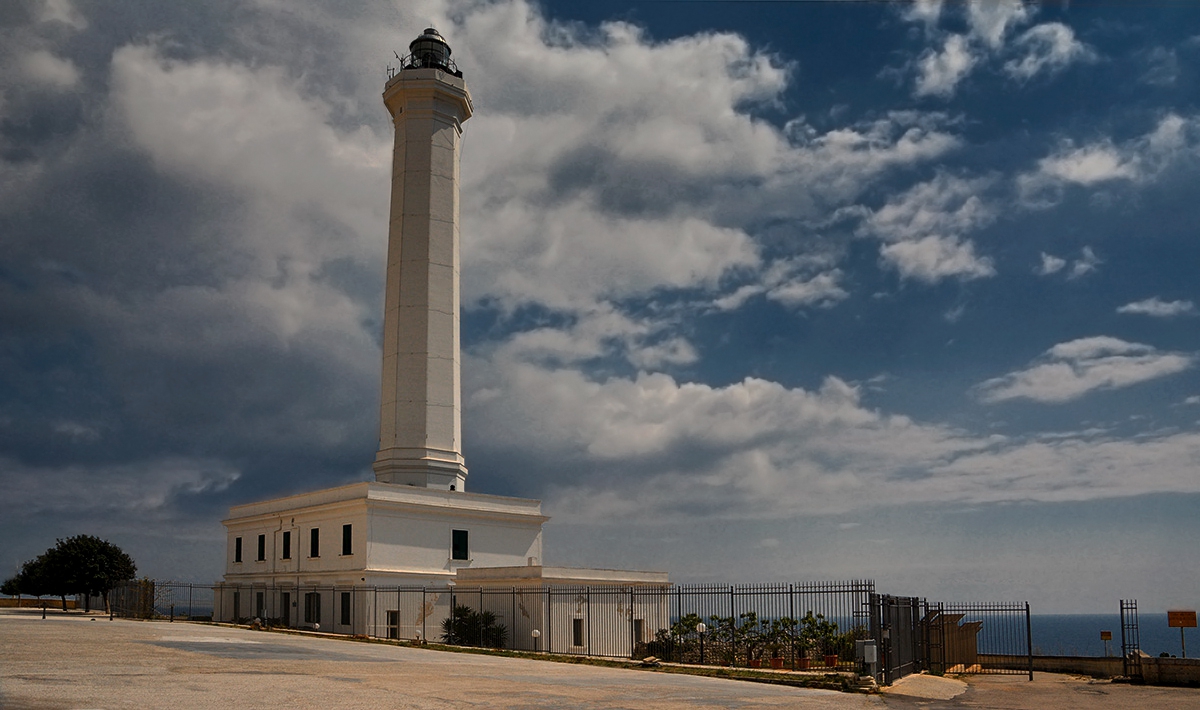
(83, 564)
(467, 627)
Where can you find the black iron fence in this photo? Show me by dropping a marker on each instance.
(827, 626)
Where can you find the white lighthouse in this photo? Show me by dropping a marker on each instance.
(414, 524)
(420, 420)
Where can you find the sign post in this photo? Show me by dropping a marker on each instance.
(1106, 636)
(1183, 619)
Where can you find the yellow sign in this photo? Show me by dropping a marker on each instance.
(1106, 636)
(1181, 619)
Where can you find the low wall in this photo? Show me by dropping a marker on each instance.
(1155, 670)
(35, 603)
(1170, 671)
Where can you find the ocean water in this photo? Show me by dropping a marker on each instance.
(1079, 635)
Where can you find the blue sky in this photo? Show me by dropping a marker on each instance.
(753, 291)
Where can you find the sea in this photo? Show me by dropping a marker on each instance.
(1079, 635)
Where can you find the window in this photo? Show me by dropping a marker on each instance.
(237, 549)
(262, 547)
(259, 607)
(458, 545)
(577, 632)
(347, 539)
(345, 608)
(637, 630)
(287, 544)
(237, 606)
(393, 624)
(312, 607)
(314, 542)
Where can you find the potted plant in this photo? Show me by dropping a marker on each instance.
(777, 635)
(752, 637)
(822, 634)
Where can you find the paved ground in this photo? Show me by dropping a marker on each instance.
(73, 662)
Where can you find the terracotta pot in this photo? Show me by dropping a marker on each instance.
(802, 663)
(777, 663)
(831, 660)
(754, 663)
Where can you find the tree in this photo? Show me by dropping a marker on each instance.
(467, 627)
(83, 564)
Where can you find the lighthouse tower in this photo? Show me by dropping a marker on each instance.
(420, 422)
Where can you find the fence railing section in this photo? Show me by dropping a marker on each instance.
(843, 626)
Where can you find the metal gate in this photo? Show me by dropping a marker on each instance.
(899, 639)
(1131, 644)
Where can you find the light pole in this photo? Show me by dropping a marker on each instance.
(535, 633)
(700, 629)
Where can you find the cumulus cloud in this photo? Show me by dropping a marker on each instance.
(1072, 369)
(1159, 308)
(1050, 265)
(652, 445)
(1047, 49)
(1138, 160)
(934, 258)
(939, 72)
(947, 204)
(1085, 264)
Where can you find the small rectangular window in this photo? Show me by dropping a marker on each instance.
(577, 632)
(347, 540)
(285, 610)
(345, 608)
(259, 607)
(312, 608)
(237, 549)
(458, 545)
(287, 544)
(314, 542)
(262, 547)
(638, 626)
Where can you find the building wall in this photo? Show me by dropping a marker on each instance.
(329, 564)
(420, 542)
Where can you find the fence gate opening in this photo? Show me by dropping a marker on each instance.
(1131, 643)
(896, 628)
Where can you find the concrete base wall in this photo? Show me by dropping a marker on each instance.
(1155, 670)
(1171, 671)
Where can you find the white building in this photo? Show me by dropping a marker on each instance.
(339, 557)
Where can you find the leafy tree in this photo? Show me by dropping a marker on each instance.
(83, 564)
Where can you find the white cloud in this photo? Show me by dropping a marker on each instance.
(1158, 308)
(939, 72)
(1137, 160)
(45, 68)
(1071, 370)
(1085, 264)
(934, 258)
(1163, 67)
(653, 446)
(991, 20)
(944, 205)
(1050, 265)
(1047, 48)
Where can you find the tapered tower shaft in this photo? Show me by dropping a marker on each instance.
(420, 430)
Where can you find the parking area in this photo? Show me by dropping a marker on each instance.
(72, 661)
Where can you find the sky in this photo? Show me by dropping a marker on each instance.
(752, 291)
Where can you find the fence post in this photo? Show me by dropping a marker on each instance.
(1029, 640)
(792, 627)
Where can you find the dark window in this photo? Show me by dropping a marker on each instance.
(637, 630)
(347, 539)
(237, 605)
(345, 608)
(577, 632)
(312, 608)
(287, 544)
(262, 547)
(314, 542)
(393, 624)
(458, 545)
(237, 549)
(258, 605)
